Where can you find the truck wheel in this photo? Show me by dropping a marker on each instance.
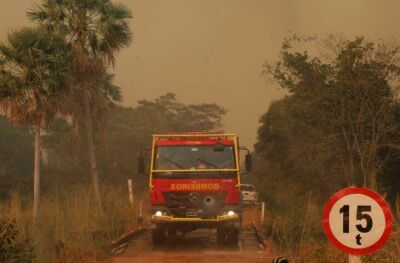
(171, 232)
(158, 236)
(233, 236)
(221, 236)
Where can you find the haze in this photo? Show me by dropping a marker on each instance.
(213, 50)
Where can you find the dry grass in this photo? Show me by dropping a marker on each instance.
(70, 220)
(298, 235)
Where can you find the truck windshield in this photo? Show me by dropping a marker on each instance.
(247, 187)
(198, 157)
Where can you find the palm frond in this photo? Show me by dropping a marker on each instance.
(95, 30)
(33, 74)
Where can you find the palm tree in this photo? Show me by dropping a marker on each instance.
(96, 30)
(33, 70)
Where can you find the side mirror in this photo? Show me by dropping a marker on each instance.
(249, 162)
(140, 165)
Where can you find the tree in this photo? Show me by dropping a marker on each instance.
(66, 143)
(341, 107)
(16, 158)
(165, 114)
(34, 69)
(95, 30)
(129, 132)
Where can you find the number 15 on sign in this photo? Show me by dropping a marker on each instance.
(357, 221)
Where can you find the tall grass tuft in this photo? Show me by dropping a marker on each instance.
(297, 233)
(71, 229)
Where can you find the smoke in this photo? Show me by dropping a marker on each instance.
(212, 51)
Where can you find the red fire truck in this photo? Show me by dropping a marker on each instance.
(195, 183)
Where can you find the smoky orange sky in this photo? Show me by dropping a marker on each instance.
(213, 50)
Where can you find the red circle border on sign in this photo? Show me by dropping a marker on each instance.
(386, 211)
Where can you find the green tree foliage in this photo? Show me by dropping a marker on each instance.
(340, 117)
(95, 31)
(34, 68)
(165, 114)
(338, 126)
(129, 133)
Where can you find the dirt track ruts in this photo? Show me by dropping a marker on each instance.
(197, 246)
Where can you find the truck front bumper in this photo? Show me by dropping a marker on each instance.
(218, 219)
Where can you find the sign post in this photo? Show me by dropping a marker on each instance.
(130, 188)
(354, 259)
(357, 221)
(262, 212)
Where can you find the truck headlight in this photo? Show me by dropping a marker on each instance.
(158, 213)
(231, 213)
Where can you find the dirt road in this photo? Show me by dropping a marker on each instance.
(198, 246)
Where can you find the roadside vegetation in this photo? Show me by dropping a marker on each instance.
(72, 228)
(66, 142)
(338, 126)
(67, 147)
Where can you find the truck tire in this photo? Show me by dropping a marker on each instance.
(221, 236)
(171, 232)
(233, 236)
(158, 236)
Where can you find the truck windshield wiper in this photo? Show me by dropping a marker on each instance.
(210, 164)
(171, 161)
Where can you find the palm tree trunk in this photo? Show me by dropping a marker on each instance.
(36, 177)
(106, 151)
(398, 205)
(92, 153)
(77, 146)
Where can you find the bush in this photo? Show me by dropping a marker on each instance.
(71, 229)
(11, 248)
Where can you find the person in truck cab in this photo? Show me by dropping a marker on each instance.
(201, 166)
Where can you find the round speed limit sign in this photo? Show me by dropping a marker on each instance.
(357, 220)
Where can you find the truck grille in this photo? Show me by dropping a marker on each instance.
(206, 204)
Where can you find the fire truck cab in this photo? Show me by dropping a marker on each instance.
(195, 183)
